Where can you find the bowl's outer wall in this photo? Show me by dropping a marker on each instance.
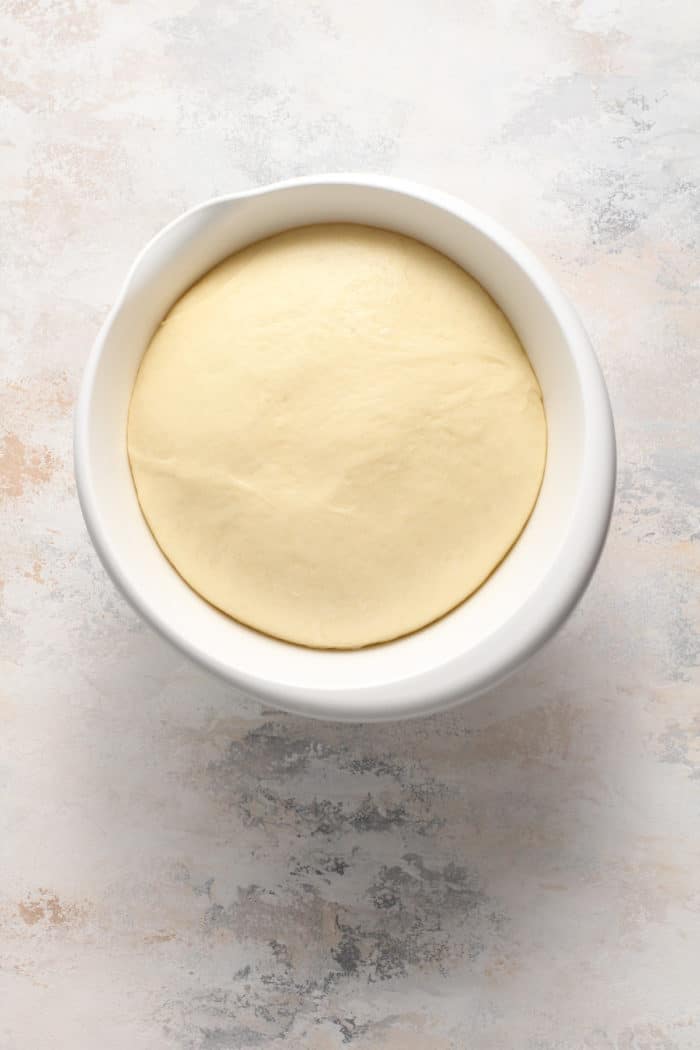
(522, 603)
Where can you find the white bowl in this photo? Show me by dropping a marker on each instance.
(525, 600)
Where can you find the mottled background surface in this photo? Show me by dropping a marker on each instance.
(181, 869)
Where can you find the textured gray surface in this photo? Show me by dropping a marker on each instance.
(180, 869)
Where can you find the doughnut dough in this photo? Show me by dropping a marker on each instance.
(336, 436)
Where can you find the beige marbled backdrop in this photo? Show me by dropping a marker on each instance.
(183, 870)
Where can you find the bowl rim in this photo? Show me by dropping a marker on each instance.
(518, 636)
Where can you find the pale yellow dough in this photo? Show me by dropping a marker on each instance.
(336, 436)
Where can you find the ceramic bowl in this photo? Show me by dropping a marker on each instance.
(522, 603)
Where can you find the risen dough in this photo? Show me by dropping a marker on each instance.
(336, 436)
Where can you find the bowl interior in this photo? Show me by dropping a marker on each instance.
(181, 254)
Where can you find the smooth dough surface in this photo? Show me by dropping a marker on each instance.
(335, 436)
